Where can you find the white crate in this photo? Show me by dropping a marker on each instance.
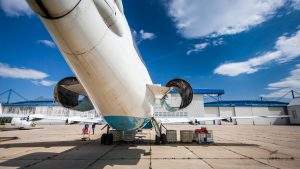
(208, 137)
(117, 135)
(129, 135)
(171, 136)
(186, 136)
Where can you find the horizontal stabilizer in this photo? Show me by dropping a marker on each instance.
(159, 91)
(76, 87)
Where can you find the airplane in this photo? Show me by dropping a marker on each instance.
(97, 43)
(73, 119)
(10, 121)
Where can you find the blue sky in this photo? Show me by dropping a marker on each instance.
(248, 48)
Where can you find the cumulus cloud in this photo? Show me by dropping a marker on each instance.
(198, 18)
(146, 35)
(285, 49)
(201, 46)
(142, 35)
(44, 82)
(280, 88)
(197, 48)
(15, 8)
(37, 77)
(47, 43)
(218, 42)
(296, 4)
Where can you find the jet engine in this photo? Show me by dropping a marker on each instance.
(67, 93)
(184, 89)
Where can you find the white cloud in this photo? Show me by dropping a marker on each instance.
(15, 8)
(199, 18)
(296, 4)
(44, 82)
(201, 46)
(218, 42)
(20, 73)
(47, 43)
(285, 49)
(146, 35)
(142, 35)
(292, 82)
(37, 77)
(197, 48)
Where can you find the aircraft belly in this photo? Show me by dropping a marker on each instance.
(126, 123)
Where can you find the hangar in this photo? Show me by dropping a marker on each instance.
(198, 108)
(294, 110)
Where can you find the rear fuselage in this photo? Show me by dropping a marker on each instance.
(96, 42)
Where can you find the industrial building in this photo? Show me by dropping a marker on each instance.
(294, 111)
(248, 108)
(198, 108)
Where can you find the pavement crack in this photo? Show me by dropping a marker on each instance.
(198, 157)
(250, 158)
(99, 158)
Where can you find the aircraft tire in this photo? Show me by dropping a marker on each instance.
(163, 138)
(110, 139)
(103, 138)
(157, 140)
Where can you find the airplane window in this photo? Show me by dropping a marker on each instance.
(9, 119)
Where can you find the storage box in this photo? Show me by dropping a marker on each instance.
(129, 135)
(205, 137)
(186, 136)
(171, 136)
(117, 135)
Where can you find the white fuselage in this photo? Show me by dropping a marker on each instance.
(100, 50)
(7, 122)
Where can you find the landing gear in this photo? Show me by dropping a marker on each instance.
(160, 138)
(157, 140)
(103, 138)
(107, 138)
(163, 138)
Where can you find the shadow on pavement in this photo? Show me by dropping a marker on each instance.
(89, 154)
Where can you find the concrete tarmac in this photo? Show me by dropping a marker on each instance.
(242, 146)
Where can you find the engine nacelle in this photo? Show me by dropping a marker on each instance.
(184, 89)
(68, 98)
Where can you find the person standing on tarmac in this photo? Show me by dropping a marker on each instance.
(93, 128)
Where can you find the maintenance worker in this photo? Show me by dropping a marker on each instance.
(85, 129)
(93, 127)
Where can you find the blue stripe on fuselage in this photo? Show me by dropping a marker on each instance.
(126, 123)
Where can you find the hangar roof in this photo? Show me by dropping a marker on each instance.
(209, 91)
(32, 103)
(206, 91)
(245, 103)
(295, 102)
(51, 102)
